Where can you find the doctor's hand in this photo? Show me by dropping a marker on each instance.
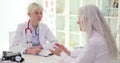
(63, 48)
(39, 47)
(33, 51)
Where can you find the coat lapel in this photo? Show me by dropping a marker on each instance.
(41, 37)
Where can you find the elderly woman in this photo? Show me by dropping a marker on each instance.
(100, 46)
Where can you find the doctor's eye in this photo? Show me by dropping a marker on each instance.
(36, 13)
(40, 12)
(27, 42)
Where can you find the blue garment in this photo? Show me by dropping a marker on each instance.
(35, 35)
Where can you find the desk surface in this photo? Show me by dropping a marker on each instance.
(41, 59)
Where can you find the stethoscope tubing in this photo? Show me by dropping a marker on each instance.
(28, 28)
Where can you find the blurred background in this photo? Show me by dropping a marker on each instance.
(60, 15)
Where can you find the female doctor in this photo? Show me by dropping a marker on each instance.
(100, 46)
(31, 36)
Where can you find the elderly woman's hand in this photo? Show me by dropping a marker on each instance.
(63, 48)
(59, 48)
(56, 51)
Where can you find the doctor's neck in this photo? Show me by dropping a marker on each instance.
(34, 24)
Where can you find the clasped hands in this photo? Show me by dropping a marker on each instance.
(34, 50)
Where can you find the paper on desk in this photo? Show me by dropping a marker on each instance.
(45, 53)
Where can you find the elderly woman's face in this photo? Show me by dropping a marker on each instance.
(80, 23)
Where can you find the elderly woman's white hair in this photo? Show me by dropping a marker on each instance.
(94, 20)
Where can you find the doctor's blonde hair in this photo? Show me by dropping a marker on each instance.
(34, 6)
(94, 20)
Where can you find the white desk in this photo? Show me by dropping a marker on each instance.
(41, 59)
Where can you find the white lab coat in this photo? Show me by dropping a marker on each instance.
(19, 42)
(95, 51)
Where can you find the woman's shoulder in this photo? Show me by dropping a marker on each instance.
(22, 24)
(97, 39)
(43, 25)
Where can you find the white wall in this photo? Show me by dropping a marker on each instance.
(3, 30)
(12, 12)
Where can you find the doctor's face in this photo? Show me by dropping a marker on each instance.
(36, 15)
(80, 23)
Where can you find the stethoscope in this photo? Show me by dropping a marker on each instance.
(28, 33)
(28, 28)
